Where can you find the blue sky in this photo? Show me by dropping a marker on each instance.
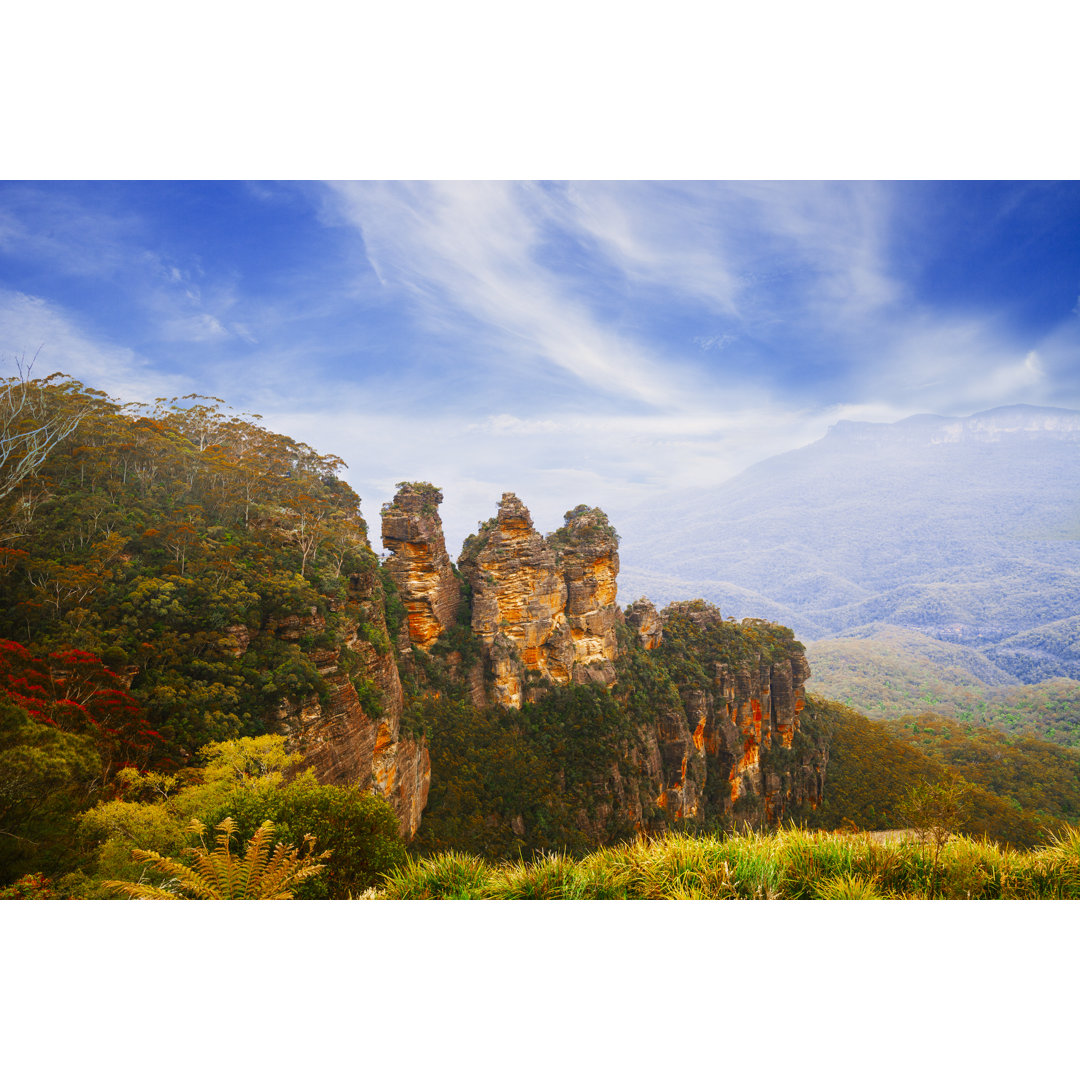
(573, 342)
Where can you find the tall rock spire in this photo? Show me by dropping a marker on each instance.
(418, 564)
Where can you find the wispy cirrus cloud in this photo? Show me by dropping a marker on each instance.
(166, 295)
(30, 323)
(622, 286)
(671, 334)
(473, 258)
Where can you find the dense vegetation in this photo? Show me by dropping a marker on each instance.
(561, 773)
(162, 539)
(246, 781)
(1019, 791)
(507, 782)
(1039, 776)
(153, 537)
(168, 574)
(150, 556)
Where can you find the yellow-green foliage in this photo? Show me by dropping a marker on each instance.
(871, 771)
(245, 781)
(165, 543)
(261, 874)
(898, 673)
(1040, 776)
(46, 777)
(790, 864)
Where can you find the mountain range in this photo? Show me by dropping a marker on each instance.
(957, 529)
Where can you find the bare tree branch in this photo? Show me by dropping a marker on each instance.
(31, 425)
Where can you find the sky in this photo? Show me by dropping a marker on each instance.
(572, 342)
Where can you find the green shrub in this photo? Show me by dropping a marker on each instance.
(360, 829)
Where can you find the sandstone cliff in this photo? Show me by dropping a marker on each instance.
(731, 748)
(632, 721)
(587, 550)
(642, 617)
(418, 564)
(543, 608)
(697, 718)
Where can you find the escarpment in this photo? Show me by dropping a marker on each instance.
(351, 733)
(543, 608)
(732, 749)
(236, 594)
(629, 721)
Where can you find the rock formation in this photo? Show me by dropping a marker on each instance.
(544, 609)
(717, 720)
(719, 752)
(642, 617)
(419, 565)
(587, 550)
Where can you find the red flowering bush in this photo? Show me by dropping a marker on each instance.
(74, 691)
(29, 887)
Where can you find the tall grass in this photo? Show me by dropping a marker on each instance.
(789, 864)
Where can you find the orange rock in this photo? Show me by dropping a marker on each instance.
(418, 563)
(544, 606)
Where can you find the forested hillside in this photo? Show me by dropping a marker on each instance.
(174, 576)
(156, 537)
(180, 585)
(1018, 790)
(893, 672)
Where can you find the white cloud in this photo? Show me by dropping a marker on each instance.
(28, 323)
(1007, 381)
(667, 235)
(722, 242)
(519, 354)
(719, 342)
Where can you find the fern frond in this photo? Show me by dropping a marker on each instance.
(141, 890)
(258, 856)
(221, 875)
(186, 878)
(223, 862)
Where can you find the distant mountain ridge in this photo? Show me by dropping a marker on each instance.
(964, 529)
(992, 425)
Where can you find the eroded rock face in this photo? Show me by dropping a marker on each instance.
(418, 564)
(543, 608)
(715, 752)
(347, 741)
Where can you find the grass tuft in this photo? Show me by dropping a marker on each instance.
(787, 864)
